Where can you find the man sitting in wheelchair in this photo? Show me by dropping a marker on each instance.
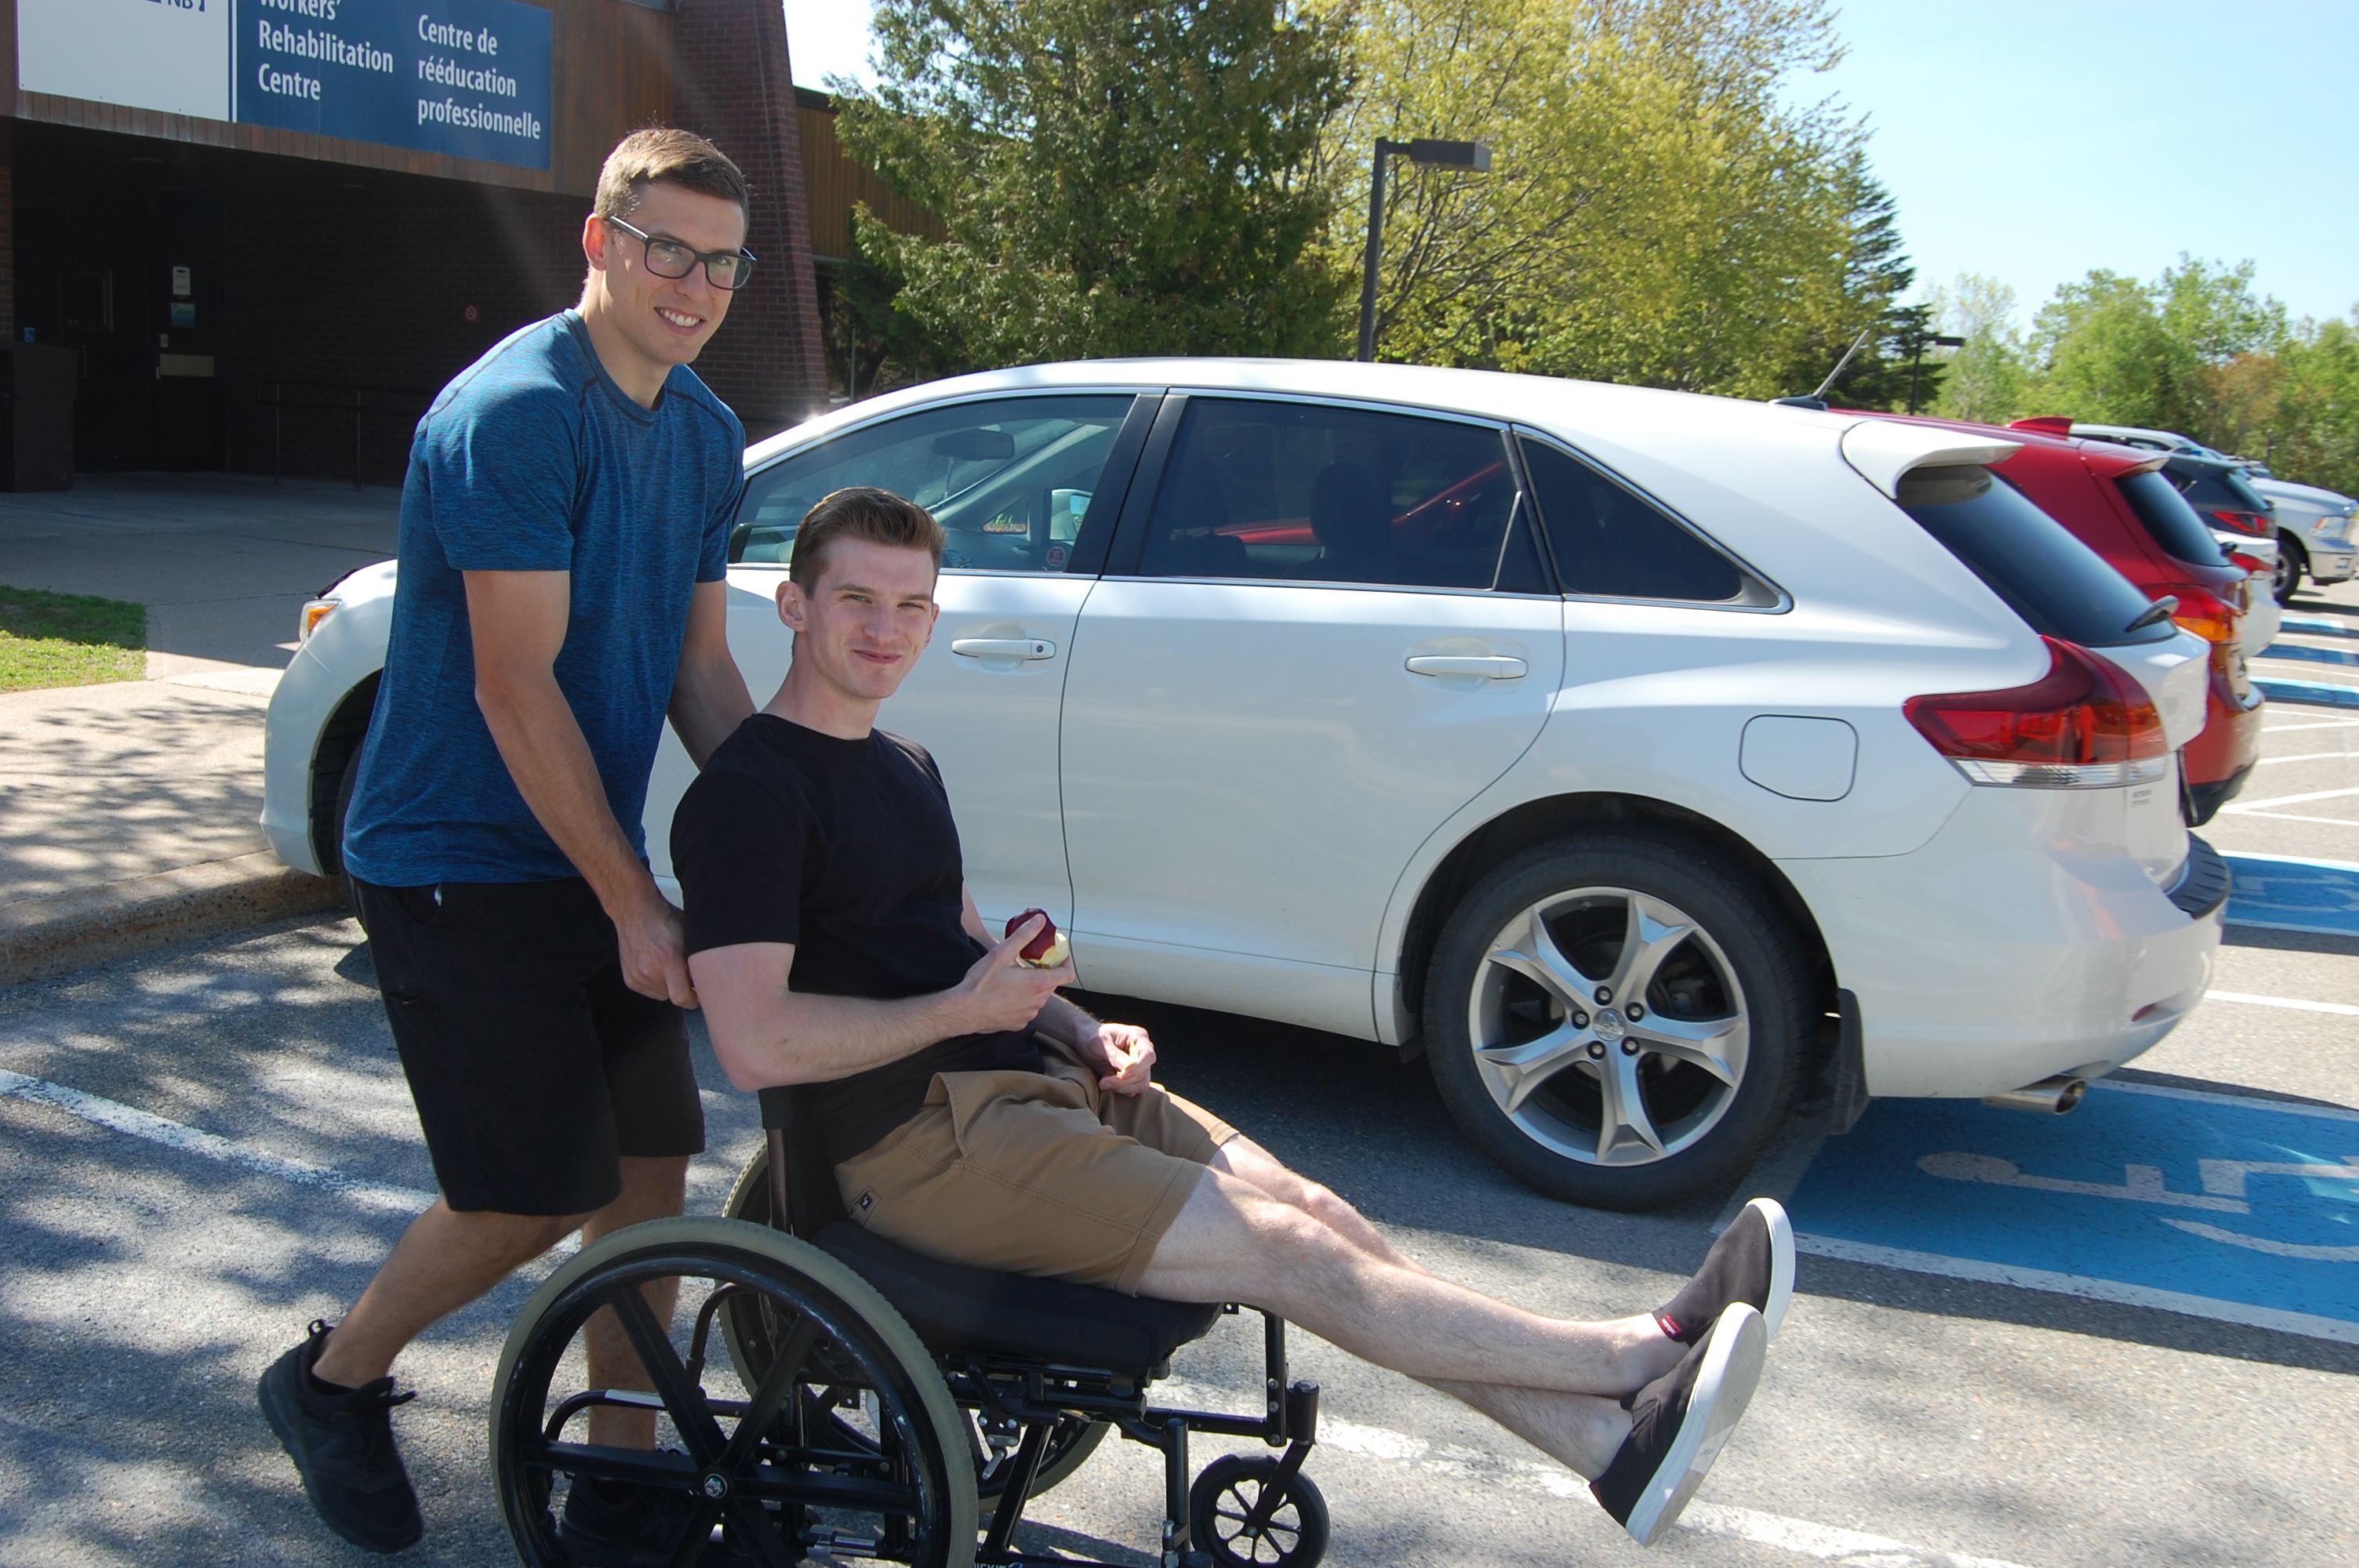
(974, 1115)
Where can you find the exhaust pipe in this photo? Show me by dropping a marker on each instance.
(2052, 1096)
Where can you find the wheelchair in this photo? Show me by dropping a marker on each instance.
(882, 1401)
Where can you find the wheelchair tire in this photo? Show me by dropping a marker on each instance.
(905, 1494)
(1221, 1503)
(1070, 1445)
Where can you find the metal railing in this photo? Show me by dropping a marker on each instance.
(335, 397)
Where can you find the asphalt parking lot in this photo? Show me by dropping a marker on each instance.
(2122, 1337)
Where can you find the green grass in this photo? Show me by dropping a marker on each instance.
(69, 639)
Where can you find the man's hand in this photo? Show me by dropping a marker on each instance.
(655, 961)
(1125, 1055)
(1002, 992)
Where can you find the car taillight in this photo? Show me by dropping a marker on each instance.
(2250, 522)
(2252, 566)
(2083, 725)
(2209, 617)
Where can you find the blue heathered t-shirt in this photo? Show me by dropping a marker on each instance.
(533, 459)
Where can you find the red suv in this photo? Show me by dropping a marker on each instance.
(2116, 500)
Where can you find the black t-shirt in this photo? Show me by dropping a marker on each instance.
(847, 849)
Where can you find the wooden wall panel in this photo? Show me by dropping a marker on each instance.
(835, 182)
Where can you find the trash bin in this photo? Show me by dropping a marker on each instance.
(37, 395)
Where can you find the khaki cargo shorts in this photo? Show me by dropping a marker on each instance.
(1036, 1174)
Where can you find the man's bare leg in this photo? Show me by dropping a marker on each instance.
(1578, 1431)
(1235, 1242)
(652, 1189)
(446, 1260)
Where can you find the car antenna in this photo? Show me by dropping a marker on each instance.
(1819, 399)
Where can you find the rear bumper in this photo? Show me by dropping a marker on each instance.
(2005, 951)
(2206, 799)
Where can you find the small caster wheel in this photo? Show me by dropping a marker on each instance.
(1222, 1506)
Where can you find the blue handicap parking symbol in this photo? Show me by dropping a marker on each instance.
(2227, 1207)
(2284, 894)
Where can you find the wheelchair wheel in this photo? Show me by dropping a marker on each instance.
(993, 1443)
(764, 1460)
(1221, 1507)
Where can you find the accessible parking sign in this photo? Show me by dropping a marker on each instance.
(470, 78)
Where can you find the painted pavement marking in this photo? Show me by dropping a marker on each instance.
(2346, 1009)
(119, 1118)
(2096, 1205)
(2323, 693)
(2309, 655)
(2287, 893)
(1801, 1537)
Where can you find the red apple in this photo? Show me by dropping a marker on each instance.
(1047, 949)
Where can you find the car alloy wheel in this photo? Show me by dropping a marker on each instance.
(1609, 1026)
(2287, 579)
(1616, 1020)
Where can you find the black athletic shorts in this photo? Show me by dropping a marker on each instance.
(535, 1068)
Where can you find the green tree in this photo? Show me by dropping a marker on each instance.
(1111, 178)
(2314, 437)
(1658, 211)
(2107, 356)
(1989, 378)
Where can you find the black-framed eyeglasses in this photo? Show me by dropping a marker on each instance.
(669, 258)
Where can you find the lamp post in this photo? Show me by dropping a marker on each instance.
(1474, 156)
(1916, 366)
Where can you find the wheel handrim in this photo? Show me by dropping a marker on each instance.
(825, 1343)
(1556, 1046)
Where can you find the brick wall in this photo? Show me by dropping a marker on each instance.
(730, 83)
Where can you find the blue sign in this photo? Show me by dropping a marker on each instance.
(470, 78)
(2223, 1207)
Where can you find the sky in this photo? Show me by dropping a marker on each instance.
(2034, 140)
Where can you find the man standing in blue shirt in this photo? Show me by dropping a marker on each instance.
(564, 534)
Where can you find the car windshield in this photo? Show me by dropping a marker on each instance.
(2060, 586)
(2169, 520)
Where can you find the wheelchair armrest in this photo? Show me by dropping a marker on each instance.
(803, 1178)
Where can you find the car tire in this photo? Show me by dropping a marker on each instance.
(2291, 558)
(1537, 1059)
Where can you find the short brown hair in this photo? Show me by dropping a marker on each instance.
(861, 511)
(658, 155)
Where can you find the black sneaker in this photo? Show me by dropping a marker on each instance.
(1680, 1421)
(618, 1524)
(1752, 1263)
(342, 1447)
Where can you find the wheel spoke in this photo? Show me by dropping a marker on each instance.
(1529, 1065)
(785, 1373)
(699, 1540)
(1715, 1044)
(1621, 1105)
(1532, 953)
(1653, 930)
(683, 1401)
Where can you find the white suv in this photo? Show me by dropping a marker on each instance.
(1639, 758)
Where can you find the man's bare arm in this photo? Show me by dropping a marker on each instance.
(766, 1034)
(1122, 1053)
(709, 698)
(518, 622)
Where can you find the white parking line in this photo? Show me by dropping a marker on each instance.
(2247, 806)
(2310, 757)
(120, 1117)
(2316, 724)
(1800, 1536)
(2345, 1008)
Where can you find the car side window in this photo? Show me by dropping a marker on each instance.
(1311, 492)
(1009, 479)
(1611, 543)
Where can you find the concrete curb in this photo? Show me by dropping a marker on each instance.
(40, 937)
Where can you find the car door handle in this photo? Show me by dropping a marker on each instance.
(1493, 667)
(1003, 648)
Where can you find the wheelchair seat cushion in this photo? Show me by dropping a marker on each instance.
(961, 1311)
